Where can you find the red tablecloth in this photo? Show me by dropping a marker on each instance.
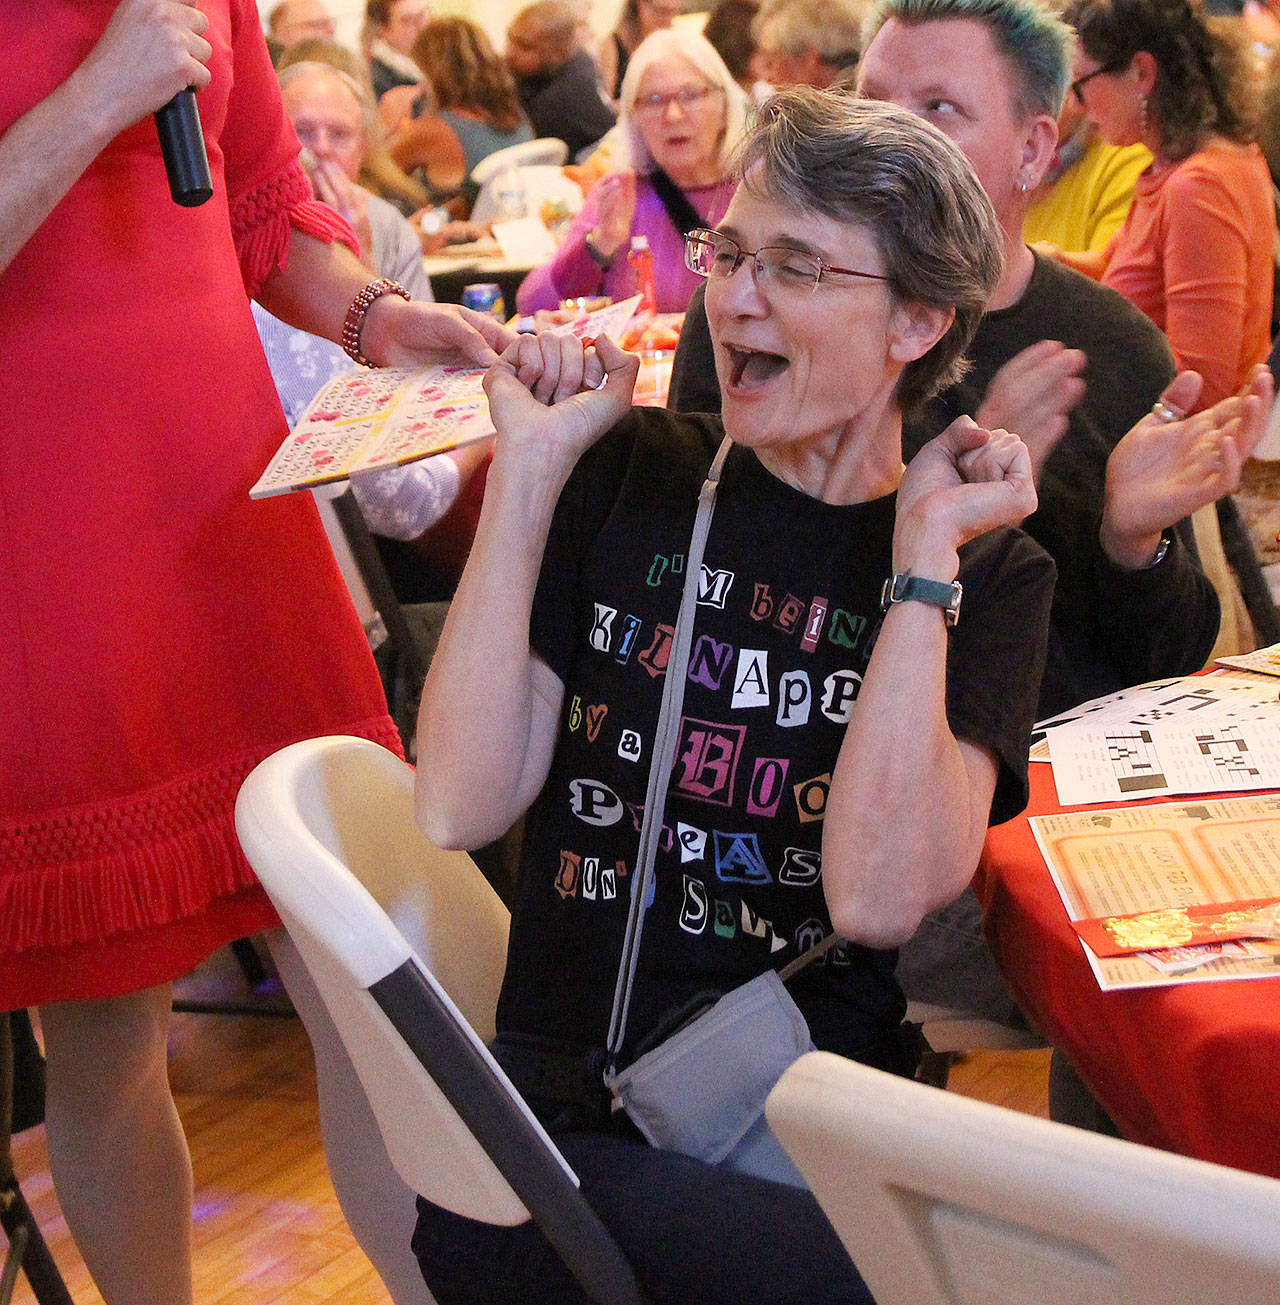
(1193, 1068)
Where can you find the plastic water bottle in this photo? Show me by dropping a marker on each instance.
(511, 197)
(641, 260)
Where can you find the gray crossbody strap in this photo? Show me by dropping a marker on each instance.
(660, 762)
(662, 755)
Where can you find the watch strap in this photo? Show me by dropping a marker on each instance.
(907, 588)
(602, 260)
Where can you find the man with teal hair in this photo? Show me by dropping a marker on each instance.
(1068, 364)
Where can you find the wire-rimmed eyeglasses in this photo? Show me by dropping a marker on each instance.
(688, 98)
(717, 256)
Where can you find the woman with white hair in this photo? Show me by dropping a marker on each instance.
(682, 113)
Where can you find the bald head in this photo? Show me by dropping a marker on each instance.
(543, 36)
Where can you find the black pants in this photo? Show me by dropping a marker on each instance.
(696, 1235)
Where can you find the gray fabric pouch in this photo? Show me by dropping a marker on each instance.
(702, 1091)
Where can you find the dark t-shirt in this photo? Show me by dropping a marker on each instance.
(1110, 627)
(788, 614)
(567, 104)
(384, 77)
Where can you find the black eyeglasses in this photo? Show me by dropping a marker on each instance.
(713, 255)
(1077, 86)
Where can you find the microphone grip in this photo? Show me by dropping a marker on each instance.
(182, 144)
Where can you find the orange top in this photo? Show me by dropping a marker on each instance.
(1196, 254)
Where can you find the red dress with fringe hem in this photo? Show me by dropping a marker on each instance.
(160, 632)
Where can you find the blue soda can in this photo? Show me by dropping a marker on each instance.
(485, 297)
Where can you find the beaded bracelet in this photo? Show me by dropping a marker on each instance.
(354, 323)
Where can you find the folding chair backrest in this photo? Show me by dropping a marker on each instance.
(328, 826)
(543, 149)
(355, 800)
(941, 1200)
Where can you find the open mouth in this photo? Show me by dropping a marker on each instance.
(750, 368)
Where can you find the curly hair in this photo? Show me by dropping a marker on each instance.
(1199, 87)
(466, 72)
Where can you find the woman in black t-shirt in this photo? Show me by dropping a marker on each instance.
(837, 763)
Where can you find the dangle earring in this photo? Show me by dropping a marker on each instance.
(1142, 120)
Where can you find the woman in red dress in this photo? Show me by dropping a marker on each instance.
(162, 632)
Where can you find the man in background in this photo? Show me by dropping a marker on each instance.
(557, 80)
(391, 27)
(292, 21)
(808, 42)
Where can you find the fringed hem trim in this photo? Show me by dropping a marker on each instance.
(262, 220)
(134, 962)
(91, 874)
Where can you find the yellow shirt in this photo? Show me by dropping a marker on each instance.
(1086, 206)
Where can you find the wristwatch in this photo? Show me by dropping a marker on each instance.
(907, 588)
(602, 260)
(1161, 549)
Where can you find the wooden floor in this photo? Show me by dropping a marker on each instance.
(268, 1230)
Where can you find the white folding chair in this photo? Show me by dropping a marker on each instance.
(406, 945)
(545, 149)
(941, 1200)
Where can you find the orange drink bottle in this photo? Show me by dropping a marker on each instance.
(641, 260)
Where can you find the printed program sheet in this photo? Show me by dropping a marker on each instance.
(1155, 862)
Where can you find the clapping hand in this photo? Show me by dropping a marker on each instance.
(616, 196)
(1169, 464)
(1033, 394)
(966, 481)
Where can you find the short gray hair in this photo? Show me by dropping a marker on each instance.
(831, 27)
(1033, 39)
(890, 173)
(693, 47)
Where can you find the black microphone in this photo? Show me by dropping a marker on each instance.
(182, 144)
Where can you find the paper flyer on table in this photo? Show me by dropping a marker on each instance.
(385, 416)
(1157, 859)
(1262, 661)
(1200, 734)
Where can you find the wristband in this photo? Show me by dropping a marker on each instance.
(602, 260)
(907, 588)
(354, 322)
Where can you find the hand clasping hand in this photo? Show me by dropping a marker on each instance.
(546, 397)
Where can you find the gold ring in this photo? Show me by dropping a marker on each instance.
(1162, 410)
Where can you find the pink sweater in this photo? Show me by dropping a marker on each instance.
(572, 272)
